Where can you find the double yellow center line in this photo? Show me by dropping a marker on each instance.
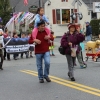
(67, 83)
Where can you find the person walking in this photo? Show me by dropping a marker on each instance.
(88, 32)
(80, 54)
(69, 41)
(42, 52)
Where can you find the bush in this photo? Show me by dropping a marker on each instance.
(95, 24)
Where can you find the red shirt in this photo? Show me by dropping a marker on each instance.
(5, 35)
(44, 46)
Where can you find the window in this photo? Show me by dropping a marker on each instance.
(62, 16)
(65, 16)
(93, 15)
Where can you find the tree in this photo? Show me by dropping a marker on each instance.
(5, 11)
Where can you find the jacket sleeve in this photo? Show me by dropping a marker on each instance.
(64, 42)
(30, 41)
(45, 19)
(80, 38)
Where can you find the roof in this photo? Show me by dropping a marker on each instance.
(18, 4)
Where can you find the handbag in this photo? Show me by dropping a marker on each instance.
(62, 49)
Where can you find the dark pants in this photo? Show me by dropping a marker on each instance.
(15, 55)
(71, 61)
(1, 58)
(6, 54)
(26, 53)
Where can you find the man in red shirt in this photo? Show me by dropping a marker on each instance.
(42, 52)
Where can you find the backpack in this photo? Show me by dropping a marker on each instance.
(62, 49)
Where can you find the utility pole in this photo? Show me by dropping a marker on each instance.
(39, 3)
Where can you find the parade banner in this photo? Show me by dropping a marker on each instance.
(17, 45)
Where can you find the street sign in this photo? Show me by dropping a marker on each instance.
(96, 7)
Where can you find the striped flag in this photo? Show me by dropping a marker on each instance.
(25, 2)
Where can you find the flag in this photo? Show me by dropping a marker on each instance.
(25, 2)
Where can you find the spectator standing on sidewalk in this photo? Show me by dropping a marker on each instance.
(88, 32)
(42, 52)
(23, 36)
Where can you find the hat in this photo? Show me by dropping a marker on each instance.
(77, 26)
(87, 23)
(71, 25)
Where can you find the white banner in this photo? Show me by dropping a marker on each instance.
(96, 7)
(11, 49)
(17, 48)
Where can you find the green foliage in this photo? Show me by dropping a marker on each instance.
(95, 24)
(5, 11)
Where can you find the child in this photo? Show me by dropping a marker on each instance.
(23, 35)
(51, 47)
(39, 16)
(1, 49)
(31, 48)
(15, 56)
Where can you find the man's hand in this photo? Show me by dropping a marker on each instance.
(47, 37)
(37, 41)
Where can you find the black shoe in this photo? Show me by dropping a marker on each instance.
(41, 81)
(72, 79)
(21, 56)
(47, 79)
(15, 59)
(31, 56)
(8, 59)
(1, 68)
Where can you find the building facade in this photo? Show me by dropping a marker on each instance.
(59, 11)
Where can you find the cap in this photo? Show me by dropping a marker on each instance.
(87, 23)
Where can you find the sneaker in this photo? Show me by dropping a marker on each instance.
(84, 66)
(72, 79)
(8, 59)
(47, 79)
(16, 58)
(75, 64)
(21, 56)
(53, 55)
(41, 81)
(31, 56)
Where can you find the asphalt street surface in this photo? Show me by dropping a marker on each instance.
(19, 81)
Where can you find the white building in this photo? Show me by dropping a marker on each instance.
(59, 11)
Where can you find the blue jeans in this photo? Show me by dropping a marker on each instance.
(88, 38)
(39, 61)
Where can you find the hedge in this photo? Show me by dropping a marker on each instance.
(95, 24)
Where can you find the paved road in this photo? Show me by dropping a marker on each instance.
(18, 81)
